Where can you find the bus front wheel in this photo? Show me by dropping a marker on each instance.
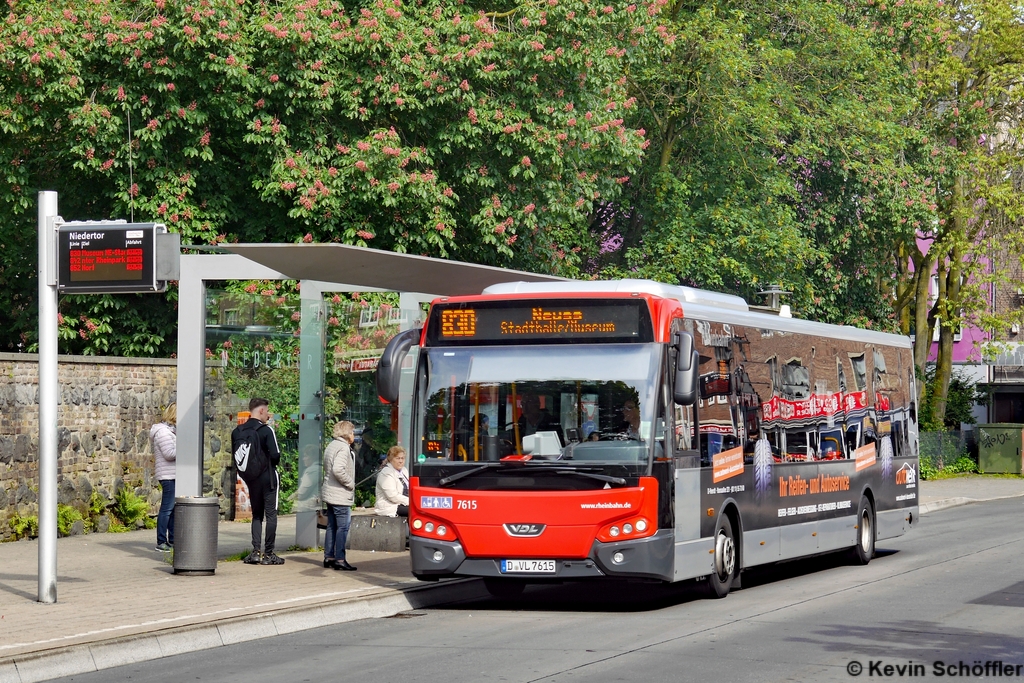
(725, 568)
(865, 548)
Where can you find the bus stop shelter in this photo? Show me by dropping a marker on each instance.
(320, 268)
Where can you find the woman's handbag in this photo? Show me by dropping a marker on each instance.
(322, 516)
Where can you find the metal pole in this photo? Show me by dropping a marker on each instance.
(311, 418)
(191, 376)
(47, 399)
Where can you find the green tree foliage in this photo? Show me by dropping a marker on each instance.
(836, 148)
(963, 394)
(770, 127)
(461, 130)
(843, 149)
(969, 70)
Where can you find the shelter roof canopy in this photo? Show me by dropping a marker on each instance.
(379, 269)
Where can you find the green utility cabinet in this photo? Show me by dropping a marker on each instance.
(999, 447)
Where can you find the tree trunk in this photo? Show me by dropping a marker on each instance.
(923, 321)
(667, 146)
(949, 307)
(905, 283)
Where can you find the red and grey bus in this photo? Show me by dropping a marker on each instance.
(631, 429)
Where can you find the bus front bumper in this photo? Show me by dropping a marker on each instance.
(649, 558)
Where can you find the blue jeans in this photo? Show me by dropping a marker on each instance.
(338, 519)
(165, 520)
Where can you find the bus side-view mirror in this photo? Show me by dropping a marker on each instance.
(389, 368)
(684, 389)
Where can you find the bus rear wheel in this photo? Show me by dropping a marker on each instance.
(865, 548)
(725, 567)
(504, 589)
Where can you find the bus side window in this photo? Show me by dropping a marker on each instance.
(831, 445)
(798, 447)
(748, 451)
(683, 427)
(852, 437)
(870, 431)
(711, 444)
(774, 440)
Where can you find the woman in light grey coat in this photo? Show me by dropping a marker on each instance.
(339, 494)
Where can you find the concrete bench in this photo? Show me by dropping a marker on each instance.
(373, 532)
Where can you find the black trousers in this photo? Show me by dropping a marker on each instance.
(263, 498)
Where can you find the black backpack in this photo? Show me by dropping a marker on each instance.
(250, 460)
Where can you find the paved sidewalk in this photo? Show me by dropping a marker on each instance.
(940, 494)
(119, 601)
(117, 586)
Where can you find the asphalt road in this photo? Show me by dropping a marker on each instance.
(950, 591)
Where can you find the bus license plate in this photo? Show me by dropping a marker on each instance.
(528, 566)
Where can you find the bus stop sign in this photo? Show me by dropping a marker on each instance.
(96, 258)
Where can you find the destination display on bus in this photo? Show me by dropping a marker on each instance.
(539, 321)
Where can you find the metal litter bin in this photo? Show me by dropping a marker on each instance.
(195, 535)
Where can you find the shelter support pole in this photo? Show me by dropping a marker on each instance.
(48, 397)
(311, 414)
(191, 376)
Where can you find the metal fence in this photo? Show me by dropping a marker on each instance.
(944, 448)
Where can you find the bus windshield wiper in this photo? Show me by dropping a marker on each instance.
(451, 479)
(618, 481)
(557, 469)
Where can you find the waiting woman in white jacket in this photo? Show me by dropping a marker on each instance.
(393, 486)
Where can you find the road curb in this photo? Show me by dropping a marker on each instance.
(106, 654)
(944, 503)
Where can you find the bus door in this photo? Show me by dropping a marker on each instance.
(402, 416)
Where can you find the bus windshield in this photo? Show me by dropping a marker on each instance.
(551, 402)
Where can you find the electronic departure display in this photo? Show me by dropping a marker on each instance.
(547, 321)
(107, 257)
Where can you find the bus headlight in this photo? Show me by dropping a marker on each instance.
(417, 524)
(430, 527)
(438, 556)
(618, 558)
(441, 530)
(623, 530)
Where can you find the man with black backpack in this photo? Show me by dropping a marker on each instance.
(256, 455)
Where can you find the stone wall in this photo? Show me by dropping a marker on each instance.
(107, 406)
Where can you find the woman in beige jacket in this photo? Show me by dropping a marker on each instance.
(339, 494)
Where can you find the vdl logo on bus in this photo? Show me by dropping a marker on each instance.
(524, 530)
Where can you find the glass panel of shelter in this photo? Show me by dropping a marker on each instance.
(255, 338)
